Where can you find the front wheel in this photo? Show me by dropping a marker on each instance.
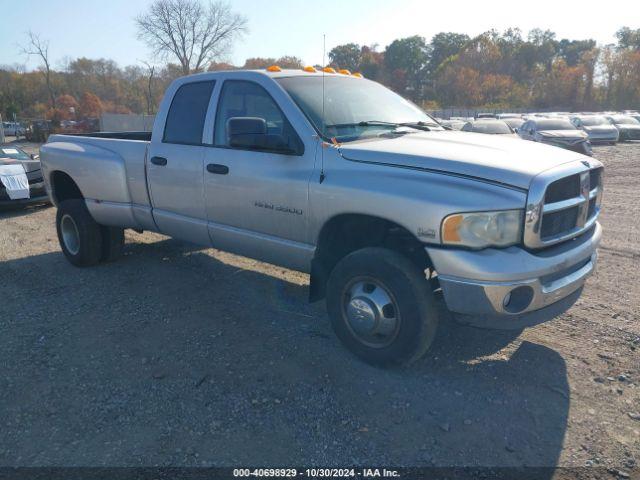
(381, 307)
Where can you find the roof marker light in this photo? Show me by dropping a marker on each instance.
(344, 71)
(329, 70)
(357, 74)
(309, 69)
(274, 68)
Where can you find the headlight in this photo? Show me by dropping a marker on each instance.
(483, 229)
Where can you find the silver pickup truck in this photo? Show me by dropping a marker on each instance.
(337, 176)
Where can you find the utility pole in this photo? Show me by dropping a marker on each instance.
(2, 139)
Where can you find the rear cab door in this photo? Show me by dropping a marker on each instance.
(175, 160)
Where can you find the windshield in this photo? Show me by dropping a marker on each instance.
(555, 124)
(593, 121)
(349, 102)
(13, 153)
(624, 120)
(498, 128)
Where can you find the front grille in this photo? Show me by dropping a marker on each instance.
(556, 223)
(592, 208)
(563, 189)
(562, 204)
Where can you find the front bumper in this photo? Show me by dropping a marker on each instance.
(629, 134)
(583, 147)
(37, 192)
(603, 138)
(513, 287)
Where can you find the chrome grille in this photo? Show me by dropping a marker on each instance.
(563, 203)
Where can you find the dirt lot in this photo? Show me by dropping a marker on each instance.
(177, 355)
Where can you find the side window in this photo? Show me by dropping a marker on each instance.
(185, 120)
(241, 98)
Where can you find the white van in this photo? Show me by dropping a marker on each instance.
(13, 129)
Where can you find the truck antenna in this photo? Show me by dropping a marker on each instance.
(322, 146)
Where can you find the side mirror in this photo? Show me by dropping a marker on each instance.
(251, 133)
(34, 156)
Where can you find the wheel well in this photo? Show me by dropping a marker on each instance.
(347, 233)
(64, 188)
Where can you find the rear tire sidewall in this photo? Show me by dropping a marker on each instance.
(410, 289)
(89, 236)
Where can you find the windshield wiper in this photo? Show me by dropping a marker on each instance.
(378, 123)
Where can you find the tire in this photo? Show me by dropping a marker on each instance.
(112, 243)
(403, 329)
(79, 235)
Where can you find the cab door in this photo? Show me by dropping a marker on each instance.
(257, 200)
(175, 165)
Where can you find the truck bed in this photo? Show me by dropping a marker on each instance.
(109, 169)
(142, 136)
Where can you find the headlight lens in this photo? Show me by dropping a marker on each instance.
(483, 229)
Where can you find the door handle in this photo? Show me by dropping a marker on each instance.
(217, 168)
(159, 161)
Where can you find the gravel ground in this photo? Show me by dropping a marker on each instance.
(177, 355)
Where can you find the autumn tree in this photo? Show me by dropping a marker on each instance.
(258, 63)
(193, 33)
(289, 61)
(347, 56)
(407, 58)
(371, 62)
(444, 45)
(90, 105)
(628, 38)
(66, 108)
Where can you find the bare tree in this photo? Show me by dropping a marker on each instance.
(150, 97)
(39, 47)
(194, 34)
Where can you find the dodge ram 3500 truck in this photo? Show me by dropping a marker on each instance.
(337, 176)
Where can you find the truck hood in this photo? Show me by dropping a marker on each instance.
(509, 161)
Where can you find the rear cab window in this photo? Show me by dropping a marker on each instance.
(186, 117)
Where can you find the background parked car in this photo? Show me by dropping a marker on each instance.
(452, 124)
(559, 132)
(514, 122)
(489, 126)
(13, 129)
(9, 156)
(628, 127)
(38, 131)
(598, 128)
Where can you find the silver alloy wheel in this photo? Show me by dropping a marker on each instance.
(70, 235)
(370, 312)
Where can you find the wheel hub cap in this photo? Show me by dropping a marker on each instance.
(362, 315)
(70, 235)
(371, 313)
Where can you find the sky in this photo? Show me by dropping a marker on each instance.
(106, 29)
